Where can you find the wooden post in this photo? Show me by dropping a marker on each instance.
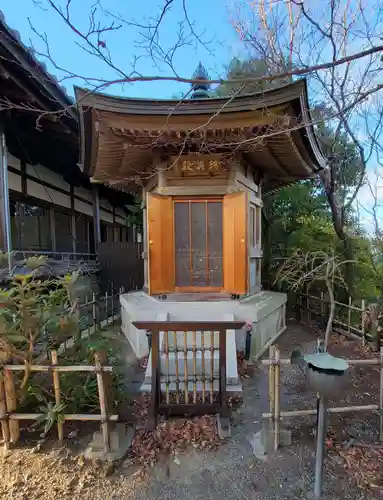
(349, 314)
(103, 403)
(381, 396)
(5, 220)
(153, 410)
(186, 376)
(323, 320)
(203, 366)
(271, 379)
(277, 415)
(95, 316)
(3, 414)
(194, 351)
(56, 385)
(107, 382)
(212, 366)
(363, 327)
(166, 352)
(11, 402)
(374, 328)
(298, 314)
(224, 409)
(177, 368)
(96, 216)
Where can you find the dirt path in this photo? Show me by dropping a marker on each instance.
(230, 471)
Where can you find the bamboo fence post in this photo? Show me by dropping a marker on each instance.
(103, 404)
(211, 366)
(3, 414)
(308, 310)
(56, 385)
(186, 375)
(203, 366)
(271, 379)
(107, 381)
(177, 368)
(166, 352)
(194, 367)
(11, 402)
(381, 396)
(322, 312)
(277, 415)
(363, 327)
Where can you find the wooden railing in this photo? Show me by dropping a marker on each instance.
(188, 368)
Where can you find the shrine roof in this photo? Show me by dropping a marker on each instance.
(273, 128)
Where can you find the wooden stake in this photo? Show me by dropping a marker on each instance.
(195, 367)
(271, 379)
(203, 366)
(349, 313)
(3, 414)
(11, 402)
(177, 369)
(211, 366)
(56, 385)
(166, 350)
(363, 327)
(186, 368)
(102, 398)
(381, 396)
(277, 399)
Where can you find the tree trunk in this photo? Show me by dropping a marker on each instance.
(337, 215)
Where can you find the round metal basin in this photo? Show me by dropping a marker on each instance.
(326, 374)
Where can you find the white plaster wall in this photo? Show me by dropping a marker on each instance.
(47, 194)
(83, 193)
(14, 182)
(44, 174)
(14, 162)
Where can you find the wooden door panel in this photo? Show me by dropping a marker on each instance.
(235, 242)
(161, 243)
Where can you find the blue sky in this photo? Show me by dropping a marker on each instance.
(209, 16)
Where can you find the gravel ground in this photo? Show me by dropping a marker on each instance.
(231, 470)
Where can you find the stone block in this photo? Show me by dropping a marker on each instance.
(120, 439)
(267, 434)
(257, 446)
(223, 427)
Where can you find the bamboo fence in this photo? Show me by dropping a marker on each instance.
(349, 317)
(276, 415)
(10, 419)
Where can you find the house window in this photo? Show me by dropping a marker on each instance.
(31, 226)
(110, 233)
(63, 232)
(104, 231)
(82, 235)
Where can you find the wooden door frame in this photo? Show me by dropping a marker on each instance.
(196, 199)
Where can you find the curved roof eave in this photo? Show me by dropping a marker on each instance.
(11, 40)
(296, 91)
(128, 105)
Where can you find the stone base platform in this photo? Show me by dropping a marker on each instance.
(266, 312)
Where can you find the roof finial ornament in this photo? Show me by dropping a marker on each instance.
(200, 90)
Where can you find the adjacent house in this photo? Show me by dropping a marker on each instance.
(47, 204)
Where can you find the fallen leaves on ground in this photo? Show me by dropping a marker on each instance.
(366, 466)
(172, 437)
